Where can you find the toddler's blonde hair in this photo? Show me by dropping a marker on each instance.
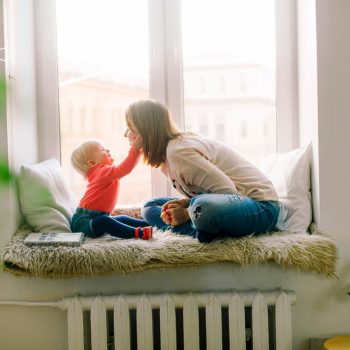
(82, 154)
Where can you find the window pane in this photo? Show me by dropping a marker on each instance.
(103, 67)
(229, 72)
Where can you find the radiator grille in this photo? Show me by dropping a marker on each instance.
(214, 321)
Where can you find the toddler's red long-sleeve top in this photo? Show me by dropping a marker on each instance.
(103, 183)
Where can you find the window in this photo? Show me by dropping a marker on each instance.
(231, 38)
(244, 131)
(220, 133)
(102, 67)
(212, 58)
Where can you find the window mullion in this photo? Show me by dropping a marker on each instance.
(158, 77)
(47, 79)
(286, 76)
(174, 73)
(157, 50)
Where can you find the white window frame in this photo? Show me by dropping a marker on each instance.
(158, 79)
(166, 80)
(49, 142)
(286, 75)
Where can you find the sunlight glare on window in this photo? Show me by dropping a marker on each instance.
(103, 66)
(229, 71)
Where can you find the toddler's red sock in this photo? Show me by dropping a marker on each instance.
(144, 232)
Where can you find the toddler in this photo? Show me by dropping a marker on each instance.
(92, 216)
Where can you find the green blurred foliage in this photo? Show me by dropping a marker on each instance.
(6, 176)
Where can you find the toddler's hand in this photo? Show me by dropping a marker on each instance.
(137, 142)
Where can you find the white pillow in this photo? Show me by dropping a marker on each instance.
(47, 202)
(290, 174)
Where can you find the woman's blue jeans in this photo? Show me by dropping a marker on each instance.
(218, 215)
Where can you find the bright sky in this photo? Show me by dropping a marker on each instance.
(245, 29)
(113, 34)
(105, 33)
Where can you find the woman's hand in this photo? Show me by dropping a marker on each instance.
(175, 212)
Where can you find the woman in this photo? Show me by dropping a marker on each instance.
(225, 195)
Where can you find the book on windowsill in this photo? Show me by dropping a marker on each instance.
(59, 238)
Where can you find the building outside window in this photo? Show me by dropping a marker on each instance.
(106, 66)
(102, 69)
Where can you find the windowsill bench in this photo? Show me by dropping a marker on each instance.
(314, 252)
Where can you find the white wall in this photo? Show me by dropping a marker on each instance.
(322, 307)
(8, 221)
(23, 139)
(324, 108)
(333, 52)
(19, 143)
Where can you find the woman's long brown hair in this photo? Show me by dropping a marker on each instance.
(156, 126)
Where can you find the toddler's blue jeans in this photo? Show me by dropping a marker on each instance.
(218, 215)
(95, 223)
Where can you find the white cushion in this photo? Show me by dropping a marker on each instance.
(47, 202)
(290, 174)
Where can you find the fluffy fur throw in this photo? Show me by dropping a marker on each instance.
(303, 252)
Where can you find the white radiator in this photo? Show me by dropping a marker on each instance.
(214, 321)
